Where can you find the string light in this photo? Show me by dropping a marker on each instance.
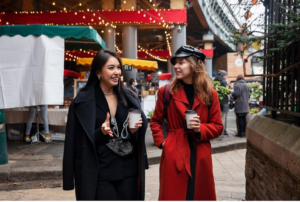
(118, 50)
(53, 3)
(168, 44)
(80, 4)
(151, 55)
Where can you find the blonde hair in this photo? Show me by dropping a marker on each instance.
(202, 82)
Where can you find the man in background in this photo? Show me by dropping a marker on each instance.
(222, 76)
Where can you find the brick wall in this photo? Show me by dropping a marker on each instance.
(227, 62)
(272, 160)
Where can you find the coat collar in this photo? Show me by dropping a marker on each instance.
(85, 110)
(180, 96)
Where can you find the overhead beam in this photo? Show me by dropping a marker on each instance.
(200, 14)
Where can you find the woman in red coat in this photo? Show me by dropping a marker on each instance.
(186, 171)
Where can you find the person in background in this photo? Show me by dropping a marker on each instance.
(103, 157)
(186, 170)
(241, 96)
(132, 83)
(222, 76)
(44, 112)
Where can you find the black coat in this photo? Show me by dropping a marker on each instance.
(80, 161)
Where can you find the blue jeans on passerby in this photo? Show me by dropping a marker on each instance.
(224, 110)
(32, 111)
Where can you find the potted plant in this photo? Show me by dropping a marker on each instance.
(150, 114)
(222, 91)
(255, 91)
(144, 92)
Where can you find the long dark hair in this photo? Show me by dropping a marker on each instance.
(98, 63)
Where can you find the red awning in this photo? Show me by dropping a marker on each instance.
(164, 76)
(152, 17)
(70, 73)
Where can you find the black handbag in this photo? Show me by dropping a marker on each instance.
(120, 146)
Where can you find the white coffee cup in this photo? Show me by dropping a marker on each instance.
(134, 116)
(188, 115)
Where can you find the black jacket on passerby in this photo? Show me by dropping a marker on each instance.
(241, 96)
(223, 83)
(80, 160)
(134, 89)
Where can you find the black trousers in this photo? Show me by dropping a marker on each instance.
(126, 189)
(242, 122)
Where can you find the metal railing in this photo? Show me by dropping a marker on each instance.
(281, 93)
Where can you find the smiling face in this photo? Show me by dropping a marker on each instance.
(183, 70)
(110, 72)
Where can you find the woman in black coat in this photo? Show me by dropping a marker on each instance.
(103, 157)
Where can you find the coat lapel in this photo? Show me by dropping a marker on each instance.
(85, 110)
(180, 96)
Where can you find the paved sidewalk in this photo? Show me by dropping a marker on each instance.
(44, 161)
(229, 168)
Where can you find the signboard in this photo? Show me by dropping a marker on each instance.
(78, 84)
(127, 67)
(140, 78)
(154, 78)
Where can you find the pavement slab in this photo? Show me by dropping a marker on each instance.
(228, 188)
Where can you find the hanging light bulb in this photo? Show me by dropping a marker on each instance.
(124, 2)
(53, 3)
(80, 4)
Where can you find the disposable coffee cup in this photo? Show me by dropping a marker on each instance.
(134, 116)
(188, 115)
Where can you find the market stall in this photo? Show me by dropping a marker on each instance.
(32, 68)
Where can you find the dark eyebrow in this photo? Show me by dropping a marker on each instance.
(112, 65)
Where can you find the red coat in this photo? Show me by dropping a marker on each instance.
(175, 158)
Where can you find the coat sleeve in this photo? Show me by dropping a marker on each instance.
(157, 119)
(214, 126)
(68, 158)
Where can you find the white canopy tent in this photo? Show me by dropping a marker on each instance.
(32, 63)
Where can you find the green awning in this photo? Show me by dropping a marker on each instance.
(77, 32)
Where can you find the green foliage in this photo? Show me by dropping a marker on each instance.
(150, 114)
(222, 91)
(255, 90)
(254, 110)
(281, 34)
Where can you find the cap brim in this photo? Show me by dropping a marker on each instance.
(180, 55)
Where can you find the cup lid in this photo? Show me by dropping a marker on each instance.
(134, 110)
(190, 112)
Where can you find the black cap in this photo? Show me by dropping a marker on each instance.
(186, 51)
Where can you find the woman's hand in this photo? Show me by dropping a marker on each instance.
(137, 126)
(106, 126)
(195, 123)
